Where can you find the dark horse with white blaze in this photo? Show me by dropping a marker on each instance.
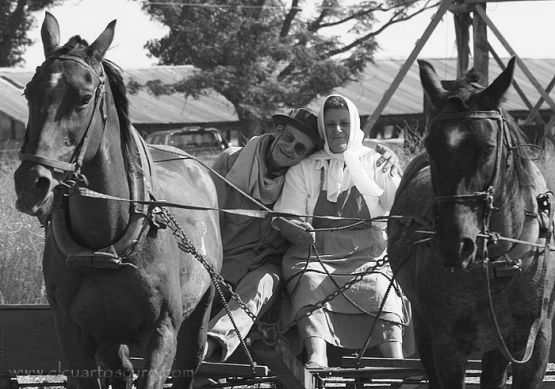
(114, 275)
(483, 282)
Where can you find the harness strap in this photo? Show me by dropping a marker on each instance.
(261, 214)
(545, 217)
(535, 326)
(211, 170)
(79, 155)
(59, 166)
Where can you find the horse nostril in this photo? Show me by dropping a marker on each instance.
(467, 249)
(42, 184)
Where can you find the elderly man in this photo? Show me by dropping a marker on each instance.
(252, 248)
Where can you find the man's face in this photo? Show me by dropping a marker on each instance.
(290, 147)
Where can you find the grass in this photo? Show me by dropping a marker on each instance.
(21, 245)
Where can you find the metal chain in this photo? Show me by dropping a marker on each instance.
(185, 244)
(320, 304)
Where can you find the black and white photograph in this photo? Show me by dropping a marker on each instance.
(277, 194)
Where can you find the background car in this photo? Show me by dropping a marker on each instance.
(203, 143)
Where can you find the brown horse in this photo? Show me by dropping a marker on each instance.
(115, 277)
(483, 283)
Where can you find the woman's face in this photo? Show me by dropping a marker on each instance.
(337, 123)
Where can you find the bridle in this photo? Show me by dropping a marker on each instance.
(73, 167)
(485, 197)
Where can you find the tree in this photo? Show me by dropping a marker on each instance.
(16, 21)
(262, 55)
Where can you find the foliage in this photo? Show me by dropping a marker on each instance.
(16, 21)
(21, 244)
(265, 55)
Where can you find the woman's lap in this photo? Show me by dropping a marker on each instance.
(348, 330)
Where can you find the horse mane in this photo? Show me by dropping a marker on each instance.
(522, 151)
(119, 93)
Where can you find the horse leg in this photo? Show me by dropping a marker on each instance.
(494, 370)
(424, 344)
(115, 359)
(530, 374)
(160, 353)
(191, 341)
(450, 364)
(445, 356)
(78, 350)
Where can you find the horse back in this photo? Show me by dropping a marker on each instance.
(413, 203)
(183, 180)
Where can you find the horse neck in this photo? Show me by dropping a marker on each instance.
(98, 223)
(510, 202)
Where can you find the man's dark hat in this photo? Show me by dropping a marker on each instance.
(303, 120)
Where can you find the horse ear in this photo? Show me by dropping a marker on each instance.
(50, 33)
(430, 82)
(491, 96)
(98, 48)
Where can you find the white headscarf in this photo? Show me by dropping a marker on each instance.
(339, 179)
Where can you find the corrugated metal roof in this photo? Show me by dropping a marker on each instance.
(12, 103)
(365, 93)
(407, 99)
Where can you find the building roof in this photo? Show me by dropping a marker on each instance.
(12, 102)
(212, 108)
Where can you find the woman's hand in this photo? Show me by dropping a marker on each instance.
(296, 231)
(388, 160)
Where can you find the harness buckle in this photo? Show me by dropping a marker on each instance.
(545, 214)
(158, 218)
(504, 268)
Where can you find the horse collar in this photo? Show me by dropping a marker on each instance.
(82, 259)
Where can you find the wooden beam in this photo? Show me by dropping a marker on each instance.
(548, 131)
(443, 8)
(407, 363)
(211, 370)
(462, 22)
(519, 61)
(535, 110)
(481, 45)
(515, 84)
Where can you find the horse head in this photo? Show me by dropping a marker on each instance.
(473, 168)
(67, 110)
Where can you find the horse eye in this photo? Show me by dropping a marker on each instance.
(490, 149)
(85, 99)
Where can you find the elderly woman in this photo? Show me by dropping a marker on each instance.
(340, 180)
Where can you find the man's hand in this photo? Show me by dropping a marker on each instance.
(388, 160)
(296, 231)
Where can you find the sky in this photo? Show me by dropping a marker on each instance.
(527, 26)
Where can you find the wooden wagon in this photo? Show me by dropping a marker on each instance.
(29, 347)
